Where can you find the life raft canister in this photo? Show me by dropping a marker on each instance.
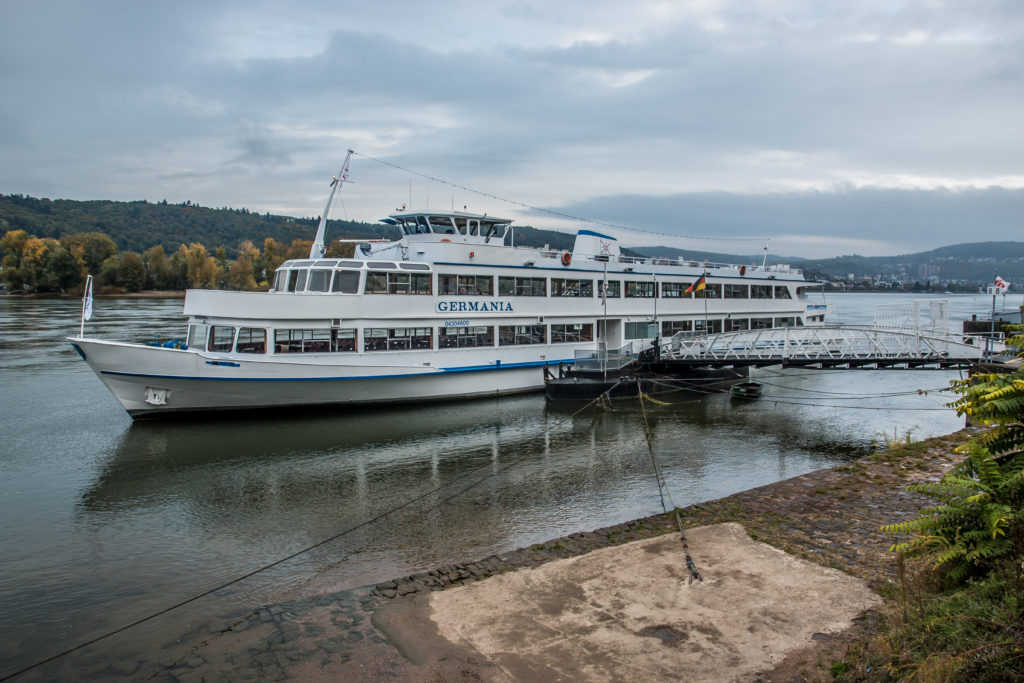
(743, 270)
(566, 258)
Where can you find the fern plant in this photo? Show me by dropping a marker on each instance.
(979, 518)
(997, 402)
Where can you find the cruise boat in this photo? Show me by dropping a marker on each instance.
(449, 310)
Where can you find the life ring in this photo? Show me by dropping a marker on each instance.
(743, 270)
(445, 239)
(566, 258)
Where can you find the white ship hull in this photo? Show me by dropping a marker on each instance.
(148, 380)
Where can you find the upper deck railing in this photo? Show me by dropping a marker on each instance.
(751, 270)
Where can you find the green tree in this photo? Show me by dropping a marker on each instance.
(63, 270)
(110, 271)
(132, 271)
(12, 245)
(158, 268)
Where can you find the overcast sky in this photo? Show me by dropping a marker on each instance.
(865, 127)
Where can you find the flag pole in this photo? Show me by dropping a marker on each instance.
(86, 305)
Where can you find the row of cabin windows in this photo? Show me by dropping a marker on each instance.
(648, 330)
(323, 280)
(222, 338)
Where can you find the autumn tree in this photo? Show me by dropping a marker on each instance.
(273, 257)
(201, 268)
(241, 274)
(92, 248)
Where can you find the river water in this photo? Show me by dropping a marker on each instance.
(106, 521)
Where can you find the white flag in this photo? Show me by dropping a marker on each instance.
(87, 299)
(1002, 284)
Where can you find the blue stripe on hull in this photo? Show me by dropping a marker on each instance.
(468, 368)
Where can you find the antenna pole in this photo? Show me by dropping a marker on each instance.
(318, 249)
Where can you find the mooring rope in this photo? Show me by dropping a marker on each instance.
(663, 489)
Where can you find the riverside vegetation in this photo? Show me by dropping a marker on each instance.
(957, 609)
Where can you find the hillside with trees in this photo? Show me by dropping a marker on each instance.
(51, 245)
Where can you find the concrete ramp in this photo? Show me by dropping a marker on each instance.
(627, 612)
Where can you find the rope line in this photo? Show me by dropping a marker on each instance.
(663, 486)
(557, 214)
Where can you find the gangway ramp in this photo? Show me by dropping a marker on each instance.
(824, 346)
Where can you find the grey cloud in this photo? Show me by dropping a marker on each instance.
(909, 220)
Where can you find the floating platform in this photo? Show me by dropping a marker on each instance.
(628, 382)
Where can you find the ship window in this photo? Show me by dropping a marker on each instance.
(398, 283)
(319, 280)
(421, 225)
(522, 286)
(301, 263)
(760, 291)
(442, 225)
(319, 340)
(344, 340)
(280, 281)
(707, 326)
(572, 332)
(736, 324)
(512, 335)
(197, 335)
(382, 264)
(350, 264)
(737, 292)
(414, 266)
(221, 339)
(785, 322)
(397, 338)
(614, 289)
(673, 327)
(640, 289)
(583, 288)
(251, 340)
(293, 277)
(325, 264)
(461, 337)
(642, 330)
(710, 292)
(300, 280)
(346, 281)
(474, 227)
(782, 293)
(760, 323)
(674, 290)
(473, 285)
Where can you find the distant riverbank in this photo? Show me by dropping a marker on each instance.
(144, 294)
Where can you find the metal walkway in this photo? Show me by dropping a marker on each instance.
(827, 346)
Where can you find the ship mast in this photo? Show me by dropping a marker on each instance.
(318, 249)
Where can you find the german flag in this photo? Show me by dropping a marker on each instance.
(697, 286)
